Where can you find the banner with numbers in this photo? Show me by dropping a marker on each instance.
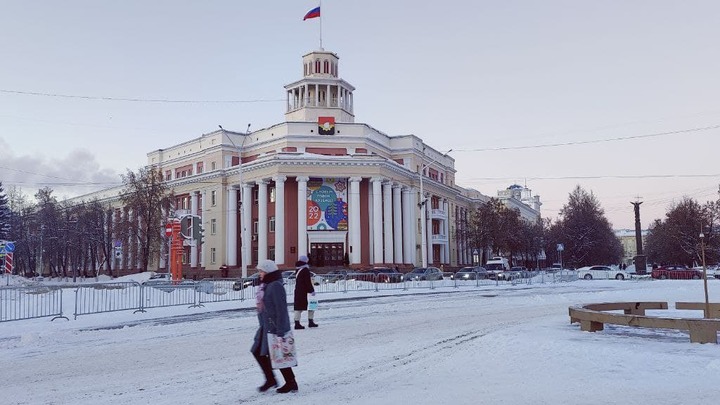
(327, 204)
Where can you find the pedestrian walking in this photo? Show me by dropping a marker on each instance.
(273, 317)
(303, 287)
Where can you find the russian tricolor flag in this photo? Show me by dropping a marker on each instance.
(314, 13)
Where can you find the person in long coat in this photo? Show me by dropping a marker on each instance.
(271, 302)
(303, 287)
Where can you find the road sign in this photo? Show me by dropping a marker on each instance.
(560, 247)
(168, 230)
(9, 262)
(9, 247)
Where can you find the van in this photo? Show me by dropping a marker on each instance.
(496, 265)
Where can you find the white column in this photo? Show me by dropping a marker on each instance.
(371, 220)
(387, 222)
(429, 230)
(406, 225)
(246, 226)
(194, 202)
(206, 232)
(302, 215)
(377, 220)
(280, 219)
(232, 233)
(262, 220)
(397, 223)
(354, 221)
(446, 231)
(413, 225)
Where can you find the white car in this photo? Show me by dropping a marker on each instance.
(602, 273)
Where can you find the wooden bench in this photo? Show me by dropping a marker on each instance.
(714, 307)
(592, 318)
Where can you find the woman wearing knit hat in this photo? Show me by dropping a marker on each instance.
(273, 317)
(303, 287)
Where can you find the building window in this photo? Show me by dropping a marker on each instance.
(168, 175)
(255, 228)
(272, 194)
(213, 166)
(213, 255)
(272, 224)
(213, 226)
(317, 66)
(213, 198)
(326, 67)
(271, 252)
(255, 195)
(199, 167)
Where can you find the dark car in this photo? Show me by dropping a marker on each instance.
(677, 272)
(424, 273)
(386, 275)
(472, 273)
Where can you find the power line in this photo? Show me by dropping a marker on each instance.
(138, 100)
(619, 138)
(638, 176)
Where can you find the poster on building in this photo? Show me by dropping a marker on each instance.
(327, 204)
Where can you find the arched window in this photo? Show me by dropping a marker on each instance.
(317, 66)
(326, 67)
(305, 72)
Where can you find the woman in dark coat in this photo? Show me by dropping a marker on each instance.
(273, 317)
(303, 287)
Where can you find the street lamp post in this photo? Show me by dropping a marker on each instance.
(241, 205)
(423, 201)
(707, 301)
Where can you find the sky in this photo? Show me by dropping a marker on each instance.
(617, 97)
(491, 345)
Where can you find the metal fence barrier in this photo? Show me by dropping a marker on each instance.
(18, 303)
(107, 297)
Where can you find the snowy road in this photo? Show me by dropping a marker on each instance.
(512, 346)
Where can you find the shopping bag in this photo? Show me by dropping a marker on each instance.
(282, 350)
(312, 303)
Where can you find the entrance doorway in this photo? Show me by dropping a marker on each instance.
(327, 254)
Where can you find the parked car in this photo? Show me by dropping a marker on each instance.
(677, 272)
(252, 281)
(160, 276)
(472, 273)
(514, 273)
(316, 279)
(385, 275)
(602, 273)
(335, 275)
(424, 273)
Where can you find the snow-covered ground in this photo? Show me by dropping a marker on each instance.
(492, 345)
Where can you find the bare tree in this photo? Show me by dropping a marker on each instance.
(145, 193)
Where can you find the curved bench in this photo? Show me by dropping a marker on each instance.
(592, 318)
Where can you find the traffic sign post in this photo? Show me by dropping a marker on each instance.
(7, 249)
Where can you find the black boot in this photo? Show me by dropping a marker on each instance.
(298, 326)
(267, 385)
(266, 366)
(290, 384)
(312, 324)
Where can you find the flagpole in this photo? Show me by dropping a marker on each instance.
(321, 13)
